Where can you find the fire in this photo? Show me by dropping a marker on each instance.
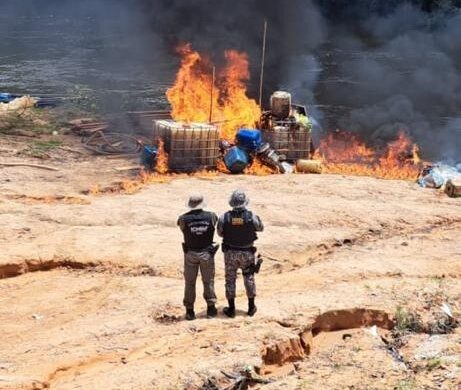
(190, 96)
(344, 153)
(161, 165)
(257, 168)
(145, 178)
(221, 166)
(195, 94)
(237, 109)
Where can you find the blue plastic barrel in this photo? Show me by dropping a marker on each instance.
(249, 139)
(149, 157)
(236, 159)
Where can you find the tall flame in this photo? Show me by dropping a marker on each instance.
(195, 93)
(190, 96)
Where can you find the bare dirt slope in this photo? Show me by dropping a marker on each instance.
(91, 288)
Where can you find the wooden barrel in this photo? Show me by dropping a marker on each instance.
(309, 166)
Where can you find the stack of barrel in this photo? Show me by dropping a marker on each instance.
(286, 127)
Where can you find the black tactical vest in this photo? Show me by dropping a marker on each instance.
(198, 230)
(238, 229)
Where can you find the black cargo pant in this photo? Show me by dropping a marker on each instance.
(193, 261)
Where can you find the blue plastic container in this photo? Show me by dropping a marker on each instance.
(6, 97)
(149, 157)
(249, 139)
(236, 159)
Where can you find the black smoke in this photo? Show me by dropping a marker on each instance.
(396, 66)
(368, 66)
(295, 30)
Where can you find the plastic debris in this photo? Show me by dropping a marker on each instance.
(40, 102)
(287, 167)
(373, 331)
(6, 97)
(149, 156)
(309, 166)
(20, 104)
(447, 310)
(436, 176)
(236, 159)
(249, 139)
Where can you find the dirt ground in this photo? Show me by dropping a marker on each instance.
(355, 272)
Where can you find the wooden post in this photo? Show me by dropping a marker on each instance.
(263, 60)
(213, 77)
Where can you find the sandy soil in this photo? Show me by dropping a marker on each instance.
(91, 285)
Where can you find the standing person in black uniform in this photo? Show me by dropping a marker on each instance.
(198, 227)
(238, 229)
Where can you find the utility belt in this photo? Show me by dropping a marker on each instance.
(226, 247)
(211, 249)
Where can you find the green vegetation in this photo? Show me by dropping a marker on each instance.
(407, 321)
(40, 149)
(434, 363)
(406, 384)
(34, 121)
(304, 384)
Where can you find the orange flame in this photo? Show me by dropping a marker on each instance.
(257, 168)
(161, 165)
(221, 166)
(190, 96)
(344, 153)
(194, 92)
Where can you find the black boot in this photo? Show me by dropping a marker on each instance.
(230, 310)
(211, 311)
(252, 309)
(190, 314)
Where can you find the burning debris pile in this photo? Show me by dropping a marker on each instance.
(214, 124)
